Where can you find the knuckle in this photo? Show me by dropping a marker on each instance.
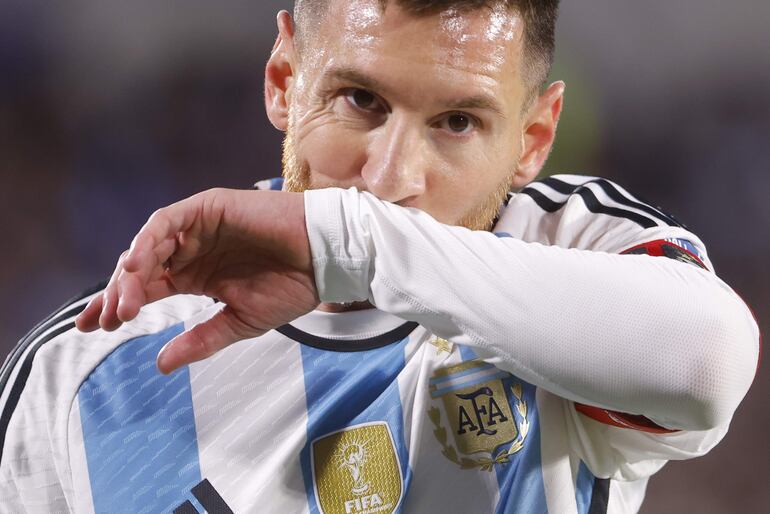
(157, 216)
(209, 195)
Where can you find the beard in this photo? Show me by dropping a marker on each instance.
(297, 179)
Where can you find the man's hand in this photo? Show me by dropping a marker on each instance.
(248, 249)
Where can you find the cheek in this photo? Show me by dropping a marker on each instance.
(334, 155)
(477, 174)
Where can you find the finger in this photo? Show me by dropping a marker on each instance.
(88, 320)
(163, 225)
(146, 260)
(147, 263)
(134, 295)
(204, 340)
(140, 287)
(108, 319)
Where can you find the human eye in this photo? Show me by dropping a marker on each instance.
(363, 100)
(458, 123)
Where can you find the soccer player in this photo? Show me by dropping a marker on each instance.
(389, 329)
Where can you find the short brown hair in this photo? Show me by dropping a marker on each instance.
(539, 18)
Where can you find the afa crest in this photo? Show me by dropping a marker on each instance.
(480, 415)
(356, 471)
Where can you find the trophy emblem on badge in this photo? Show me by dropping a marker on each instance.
(353, 457)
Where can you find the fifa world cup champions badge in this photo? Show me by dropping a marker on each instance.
(356, 471)
(482, 413)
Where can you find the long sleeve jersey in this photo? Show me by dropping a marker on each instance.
(551, 365)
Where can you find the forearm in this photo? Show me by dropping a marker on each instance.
(629, 333)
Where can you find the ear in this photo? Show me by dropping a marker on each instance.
(539, 133)
(279, 73)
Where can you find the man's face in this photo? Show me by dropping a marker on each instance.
(422, 111)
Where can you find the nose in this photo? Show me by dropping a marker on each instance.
(397, 164)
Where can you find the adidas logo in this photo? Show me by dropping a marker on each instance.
(205, 493)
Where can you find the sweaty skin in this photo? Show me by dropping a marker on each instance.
(421, 75)
(431, 112)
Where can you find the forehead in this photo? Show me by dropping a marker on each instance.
(485, 44)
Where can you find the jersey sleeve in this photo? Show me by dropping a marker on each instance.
(590, 213)
(596, 214)
(34, 474)
(42, 456)
(552, 298)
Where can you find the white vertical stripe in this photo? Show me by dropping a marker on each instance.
(250, 417)
(438, 484)
(554, 455)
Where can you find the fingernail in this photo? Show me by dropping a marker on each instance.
(161, 358)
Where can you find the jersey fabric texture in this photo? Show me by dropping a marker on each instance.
(402, 408)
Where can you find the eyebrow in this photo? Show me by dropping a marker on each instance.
(353, 76)
(478, 102)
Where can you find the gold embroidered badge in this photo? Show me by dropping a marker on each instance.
(479, 414)
(356, 471)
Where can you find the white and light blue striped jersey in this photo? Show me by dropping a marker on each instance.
(358, 412)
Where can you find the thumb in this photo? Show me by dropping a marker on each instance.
(204, 340)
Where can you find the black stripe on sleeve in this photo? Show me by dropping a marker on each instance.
(612, 191)
(600, 496)
(33, 340)
(595, 206)
(59, 315)
(560, 186)
(542, 201)
(589, 198)
(20, 348)
(21, 380)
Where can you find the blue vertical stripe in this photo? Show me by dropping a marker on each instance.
(349, 388)
(521, 479)
(467, 353)
(139, 431)
(584, 487)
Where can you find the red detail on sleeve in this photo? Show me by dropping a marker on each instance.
(621, 420)
(653, 248)
(658, 247)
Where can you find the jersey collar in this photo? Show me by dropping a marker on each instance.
(348, 331)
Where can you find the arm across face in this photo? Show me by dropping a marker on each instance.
(629, 333)
(589, 326)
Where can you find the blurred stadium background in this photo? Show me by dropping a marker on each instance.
(109, 110)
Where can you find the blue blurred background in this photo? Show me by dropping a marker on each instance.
(109, 110)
